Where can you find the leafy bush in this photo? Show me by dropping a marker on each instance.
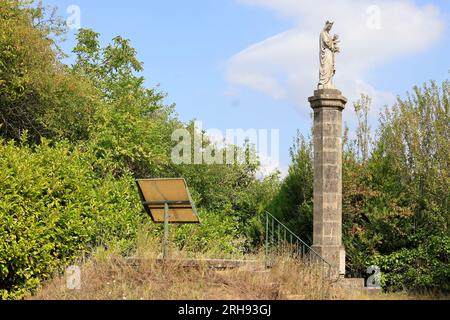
(422, 269)
(54, 208)
(218, 235)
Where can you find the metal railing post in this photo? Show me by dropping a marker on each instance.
(308, 255)
(267, 240)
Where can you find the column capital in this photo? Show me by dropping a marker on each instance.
(331, 98)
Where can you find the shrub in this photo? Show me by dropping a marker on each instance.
(422, 269)
(54, 208)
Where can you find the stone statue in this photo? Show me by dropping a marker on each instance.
(329, 46)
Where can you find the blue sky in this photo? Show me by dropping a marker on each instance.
(252, 63)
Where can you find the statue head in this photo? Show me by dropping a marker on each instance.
(328, 25)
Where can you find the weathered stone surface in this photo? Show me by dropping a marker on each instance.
(355, 283)
(331, 99)
(331, 142)
(356, 286)
(328, 105)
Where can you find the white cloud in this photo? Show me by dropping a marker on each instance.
(373, 32)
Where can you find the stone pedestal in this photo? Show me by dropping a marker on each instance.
(328, 105)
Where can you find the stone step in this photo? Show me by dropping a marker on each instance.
(215, 264)
(351, 283)
(358, 286)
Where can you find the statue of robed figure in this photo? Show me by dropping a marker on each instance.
(329, 46)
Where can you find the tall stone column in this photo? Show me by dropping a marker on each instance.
(328, 105)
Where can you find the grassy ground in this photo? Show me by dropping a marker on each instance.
(109, 276)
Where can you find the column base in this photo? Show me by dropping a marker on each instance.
(335, 255)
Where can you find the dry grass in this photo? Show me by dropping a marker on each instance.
(109, 276)
(112, 277)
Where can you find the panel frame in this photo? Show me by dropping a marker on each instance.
(185, 204)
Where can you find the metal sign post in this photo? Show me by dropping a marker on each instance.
(167, 201)
(166, 231)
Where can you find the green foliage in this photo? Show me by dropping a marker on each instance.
(415, 139)
(363, 134)
(131, 126)
(294, 203)
(37, 93)
(396, 204)
(66, 186)
(54, 208)
(218, 235)
(63, 195)
(421, 269)
(395, 199)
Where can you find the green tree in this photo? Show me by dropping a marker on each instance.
(293, 205)
(132, 126)
(396, 204)
(363, 134)
(37, 93)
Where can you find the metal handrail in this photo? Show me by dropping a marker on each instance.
(300, 253)
(298, 238)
